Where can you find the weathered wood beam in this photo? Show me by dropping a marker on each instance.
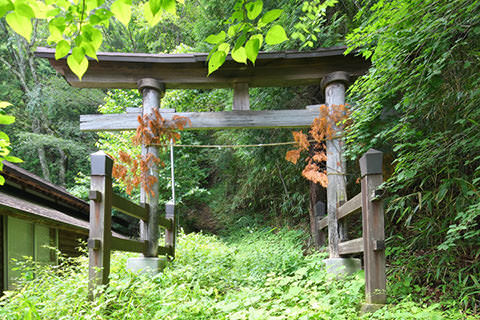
(241, 97)
(129, 208)
(190, 71)
(351, 206)
(207, 120)
(128, 245)
(351, 246)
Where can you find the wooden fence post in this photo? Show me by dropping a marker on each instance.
(171, 234)
(100, 234)
(373, 228)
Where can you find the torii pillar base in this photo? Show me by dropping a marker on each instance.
(343, 266)
(148, 265)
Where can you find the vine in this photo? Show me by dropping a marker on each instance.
(323, 128)
(134, 170)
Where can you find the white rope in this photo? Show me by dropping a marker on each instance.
(230, 145)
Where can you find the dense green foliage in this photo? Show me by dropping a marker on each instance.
(258, 275)
(419, 103)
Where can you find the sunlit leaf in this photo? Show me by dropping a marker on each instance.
(24, 9)
(216, 38)
(239, 55)
(270, 16)
(20, 24)
(151, 19)
(251, 48)
(78, 53)
(254, 9)
(62, 49)
(276, 35)
(5, 6)
(225, 47)
(216, 61)
(4, 104)
(122, 10)
(78, 69)
(6, 119)
(13, 159)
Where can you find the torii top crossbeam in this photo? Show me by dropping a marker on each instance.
(189, 71)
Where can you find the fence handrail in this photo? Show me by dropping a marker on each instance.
(352, 206)
(129, 208)
(351, 246)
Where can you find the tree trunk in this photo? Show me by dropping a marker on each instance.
(62, 168)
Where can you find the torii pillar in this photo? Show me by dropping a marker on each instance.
(334, 86)
(152, 92)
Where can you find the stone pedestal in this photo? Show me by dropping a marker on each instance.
(370, 308)
(146, 264)
(343, 266)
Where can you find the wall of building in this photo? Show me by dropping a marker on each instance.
(21, 238)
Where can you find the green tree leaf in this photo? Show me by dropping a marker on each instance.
(122, 10)
(78, 53)
(62, 49)
(239, 55)
(157, 5)
(259, 37)
(24, 9)
(276, 35)
(6, 119)
(270, 16)
(13, 159)
(78, 69)
(252, 47)
(20, 24)
(5, 6)
(225, 47)
(254, 9)
(216, 38)
(216, 61)
(151, 18)
(97, 38)
(4, 104)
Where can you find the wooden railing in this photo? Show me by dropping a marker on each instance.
(101, 241)
(372, 244)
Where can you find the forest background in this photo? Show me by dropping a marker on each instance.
(418, 104)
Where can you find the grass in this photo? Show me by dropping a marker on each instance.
(253, 275)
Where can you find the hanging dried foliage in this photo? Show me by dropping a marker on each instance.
(135, 170)
(323, 128)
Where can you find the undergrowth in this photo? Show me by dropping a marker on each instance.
(251, 275)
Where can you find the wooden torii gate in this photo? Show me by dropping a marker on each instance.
(152, 74)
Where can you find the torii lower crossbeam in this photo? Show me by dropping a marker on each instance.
(208, 120)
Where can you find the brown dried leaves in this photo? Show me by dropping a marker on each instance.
(134, 170)
(324, 127)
